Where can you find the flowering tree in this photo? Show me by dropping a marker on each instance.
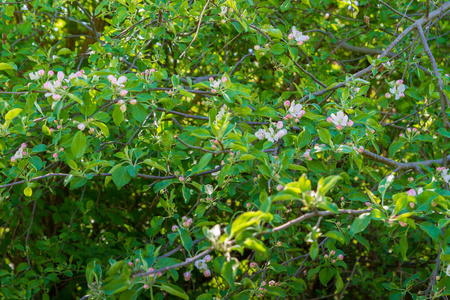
(226, 149)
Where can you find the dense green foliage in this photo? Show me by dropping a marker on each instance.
(228, 149)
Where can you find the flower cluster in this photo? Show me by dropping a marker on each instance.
(19, 153)
(118, 84)
(397, 90)
(445, 174)
(411, 133)
(216, 84)
(271, 135)
(295, 110)
(332, 256)
(147, 75)
(340, 120)
(298, 36)
(202, 265)
(186, 222)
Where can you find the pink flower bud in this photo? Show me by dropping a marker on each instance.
(279, 124)
(169, 92)
(398, 82)
(224, 79)
(333, 261)
(123, 108)
(411, 204)
(256, 47)
(60, 76)
(342, 198)
(291, 36)
(340, 257)
(411, 192)
(146, 286)
(174, 228)
(213, 91)
(287, 103)
(13, 159)
(111, 78)
(300, 43)
(408, 129)
(361, 149)
(181, 178)
(248, 205)
(24, 153)
(207, 273)
(439, 169)
(272, 283)
(152, 70)
(387, 95)
(51, 73)
(123, 93)
(263, 283)
(62, 149)
(23, 146)
(130, 263)
(403, 224)
(208, 258)
(326, 256)
(367, 203)
(55, 155)
(280, 187)
(151, 270)
(329, 120)
(187, 276)
(133, 101)
(402, 95)
(401, 135)
(223, 21)
(56, 97)
(410, 179)
(415, 129)
(81, 126)
(350, 123)
(332, 252)
(253, 265)
(279, 244)
(339, 127)
(120, 102)
(41, 72)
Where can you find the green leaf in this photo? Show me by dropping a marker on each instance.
(228, 273)
(285, 6)
(202, 163)
(186, 239)
(360, 223)
(404, 246)
(384, 185)
(325, 136)
(12, 114)
(76, 99)
(314, 250)
(78, 145)
(274, 32)
(248, 219)
(102, 127)
(117, 115)
(28, 191)
(266, 111)
(256, 245)
(174, 290)
(120, 176)
(325, 276)
(7, 66)
(338, 236)
(395, 146)
(304, 138)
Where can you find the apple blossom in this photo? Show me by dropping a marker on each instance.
(81, 126)
(298, 36)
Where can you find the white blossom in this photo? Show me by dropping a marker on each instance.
(445, 175)
(296, 110)
(201, 264)
(223, 11)
(398, 90)
(260, 134)
(340, 119)
(298, 36)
